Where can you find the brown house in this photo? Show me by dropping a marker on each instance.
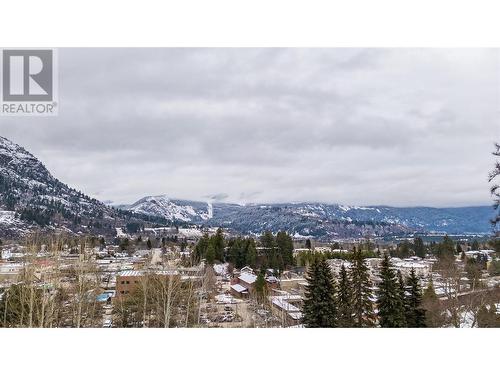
(243, 285)
(127, 282)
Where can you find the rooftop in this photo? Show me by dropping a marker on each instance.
(247, 277)
(238, 288)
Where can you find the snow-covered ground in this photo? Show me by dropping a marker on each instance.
(226, 299)
(190, 232)
(120, 232)
(7, 217)
(221, 269)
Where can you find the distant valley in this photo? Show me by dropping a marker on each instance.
(31, 199)
(319, 219)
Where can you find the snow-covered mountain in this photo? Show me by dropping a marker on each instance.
(319, 219)
(172, 209)
(32, 199)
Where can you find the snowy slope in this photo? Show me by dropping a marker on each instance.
(31, 198)
(173, 209)
(319, 219)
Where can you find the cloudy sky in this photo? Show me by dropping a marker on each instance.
(399, 127)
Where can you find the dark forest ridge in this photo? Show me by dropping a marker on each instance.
(317, 219)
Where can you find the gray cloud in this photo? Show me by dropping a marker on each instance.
(354, 126)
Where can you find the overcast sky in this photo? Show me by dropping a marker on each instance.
(400, 127)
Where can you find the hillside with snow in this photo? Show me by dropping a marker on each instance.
(319, 219)
(32, 199)
(173, 209)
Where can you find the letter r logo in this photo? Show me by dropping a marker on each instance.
(27, 75)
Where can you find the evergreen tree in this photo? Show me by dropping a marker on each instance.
(200, 249)
(446, 250)
(251, 253)
(268, 242)
(344, 301)
(320, 308)
(418, 247)
(236, 253)
(361, 292)
(403, 249)
(124, 244)
(401, 289)
(391, 310)
(218, 243)
(433, 311)
(210, 255)
(284, 244)
(415, 314)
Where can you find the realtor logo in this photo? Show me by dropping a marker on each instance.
(28, 82)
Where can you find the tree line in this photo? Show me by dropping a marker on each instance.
(350, 300)
(270, 251)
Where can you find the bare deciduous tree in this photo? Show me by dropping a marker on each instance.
(495, 188)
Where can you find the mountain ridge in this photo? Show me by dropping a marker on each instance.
(32, 199)
(468, 219)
